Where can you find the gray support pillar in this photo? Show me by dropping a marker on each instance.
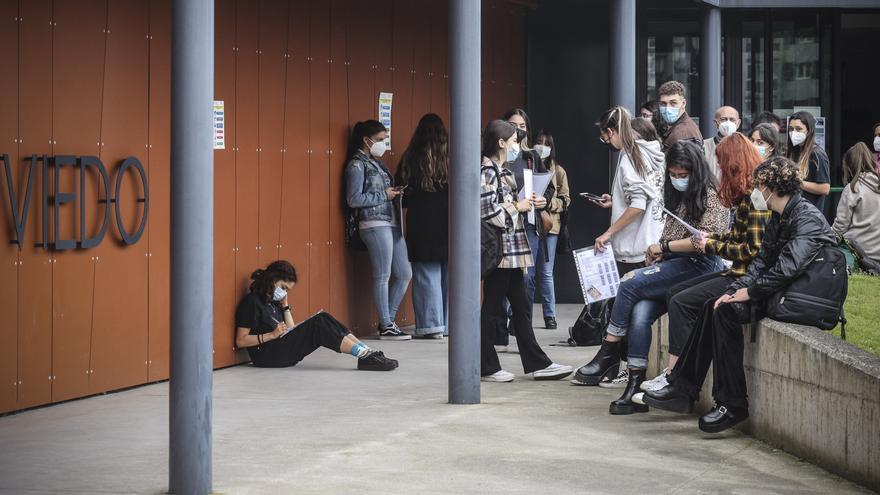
(623, 54)
(710, 68)
(192, 246)
(464, 224)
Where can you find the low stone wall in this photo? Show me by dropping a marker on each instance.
(810, 394)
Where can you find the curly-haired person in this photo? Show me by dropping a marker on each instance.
(793, 236)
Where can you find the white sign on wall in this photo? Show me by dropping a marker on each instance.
(219, 125)
(385, 100)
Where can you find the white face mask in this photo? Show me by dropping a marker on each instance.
(758, 200)
(378, 148)
(797, 138)
(543, 151)
(279, 294)
(877, 144)
(513, 152)
(727, 128)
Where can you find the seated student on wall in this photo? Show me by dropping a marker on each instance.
(265, 326)
(858, 213)
(737, 159)
(793, 236)
(689, 192)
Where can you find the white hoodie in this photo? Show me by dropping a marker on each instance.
(643, 192)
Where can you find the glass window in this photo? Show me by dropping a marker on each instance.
(753, 89)
(795, 65)
(675, 57)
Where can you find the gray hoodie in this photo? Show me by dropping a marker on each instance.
(858, 214)
(644, 192)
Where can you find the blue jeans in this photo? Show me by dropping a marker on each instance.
(388, 257)
(541, 274)
(429, 297)
(641, 299)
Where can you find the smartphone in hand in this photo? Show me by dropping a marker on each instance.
(591, 196)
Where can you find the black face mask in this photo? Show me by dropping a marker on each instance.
(521, 135)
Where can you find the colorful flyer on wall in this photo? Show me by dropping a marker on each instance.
(385, 100)
(597, 273)
(219, 126)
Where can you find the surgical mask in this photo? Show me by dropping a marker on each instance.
(726, 128)
(680, 185)
(543, 151)
(797, 138)
(762, 150)
(758, 200)
(877, 144)
(513, 152)
(669, 114)
(279, 294)
(378, 149)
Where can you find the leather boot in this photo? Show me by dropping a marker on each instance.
(625, 405)
(606, 363)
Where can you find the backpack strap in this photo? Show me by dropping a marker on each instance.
(753, 321)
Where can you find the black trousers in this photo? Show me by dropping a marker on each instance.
(322, 330)
(685, 301)
(508, 282)
(718, 338)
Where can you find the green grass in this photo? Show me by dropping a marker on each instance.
(863, 313)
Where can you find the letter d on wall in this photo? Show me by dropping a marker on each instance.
(84, 163)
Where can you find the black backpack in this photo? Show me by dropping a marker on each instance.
(590, 326)
(816, 297)
(491, 239)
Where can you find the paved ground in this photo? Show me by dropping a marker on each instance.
(323, 427)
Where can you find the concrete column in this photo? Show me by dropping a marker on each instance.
(464, 201)
(192, 246)
(623, 54)
(710, 68)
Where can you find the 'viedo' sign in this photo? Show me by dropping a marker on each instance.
(83, 163)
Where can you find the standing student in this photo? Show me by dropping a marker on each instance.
(542, 272)
(727, 122)
(649, 109)
(766, 140)
(858, 213)
(424, 171)
(369, 187)
(673, 109)
(810, 158)
(500, 207)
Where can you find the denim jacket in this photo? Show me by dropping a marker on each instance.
(365, 182)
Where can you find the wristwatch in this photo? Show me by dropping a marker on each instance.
(664, 246)
(285, 308)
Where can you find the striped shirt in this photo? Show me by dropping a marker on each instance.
(743, 242)
(517, 253)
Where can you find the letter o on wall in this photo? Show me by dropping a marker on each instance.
(132, 162)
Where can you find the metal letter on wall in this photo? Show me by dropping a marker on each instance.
(132, 162)
(61, 198)
(84, 163)
(20, 221)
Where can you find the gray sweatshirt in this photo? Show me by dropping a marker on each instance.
(644, 192)
(858, 215)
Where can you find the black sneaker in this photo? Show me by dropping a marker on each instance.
(376, 361)
(550, 323)
(392, 332)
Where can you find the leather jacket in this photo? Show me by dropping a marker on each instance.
(791, 241)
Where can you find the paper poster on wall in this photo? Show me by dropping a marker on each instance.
(219, 126)
(385, 100)
(820, 132)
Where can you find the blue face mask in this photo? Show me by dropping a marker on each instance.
(669, 114)
(513, 152)
(680, 185)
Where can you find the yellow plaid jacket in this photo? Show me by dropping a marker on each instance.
(742, 243)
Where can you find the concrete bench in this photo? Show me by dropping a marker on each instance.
(810, 394)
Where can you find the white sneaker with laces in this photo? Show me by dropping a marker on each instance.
(553, 372)
(498, 376)
(618, 381)
(655, 383)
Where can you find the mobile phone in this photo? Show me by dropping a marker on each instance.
(401, 188)
(591, 196)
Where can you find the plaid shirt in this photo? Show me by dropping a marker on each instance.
(743, 242)
(517, 253)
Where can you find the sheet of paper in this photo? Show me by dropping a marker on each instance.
(597, 273)
(298, 324)
(693, 231)
(528, 187)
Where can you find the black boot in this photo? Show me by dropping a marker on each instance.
(606, 363)
(625, 405)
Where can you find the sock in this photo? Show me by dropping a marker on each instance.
(359, 350)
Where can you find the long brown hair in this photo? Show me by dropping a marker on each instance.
(737, 158)
(619, 120)
(802, 154)
(857, 161)
(426, 158)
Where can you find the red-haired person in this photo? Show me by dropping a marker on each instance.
(737, 160)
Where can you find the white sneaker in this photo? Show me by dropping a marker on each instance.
(655, 383)
(618, 381)
(498, 376)
(639, 398)
(500, 348)
(553, 372)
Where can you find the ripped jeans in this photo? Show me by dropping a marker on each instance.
(641, 299)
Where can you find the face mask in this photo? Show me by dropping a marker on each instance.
(758, 200)
(727, 128)
(762, 150)
(279, 294)
(378, 149)
(797, 138)
(669, 114)
(680, 185)
(513, 152)
(877, 144)
(543, 151)
(521, 135)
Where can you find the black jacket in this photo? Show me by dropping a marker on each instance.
(427, 222)
(791, 241)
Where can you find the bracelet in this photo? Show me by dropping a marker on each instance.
(664, 246)
(259, 339)
(285, 308)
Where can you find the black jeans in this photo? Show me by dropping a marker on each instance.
(717, 338)
(320, 331)
(509, 282)
(685, 301)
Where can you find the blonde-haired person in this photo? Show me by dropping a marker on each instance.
(858, 213)
(812, 161)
